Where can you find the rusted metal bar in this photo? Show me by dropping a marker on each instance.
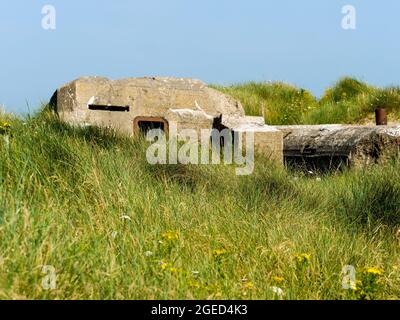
(381, 117)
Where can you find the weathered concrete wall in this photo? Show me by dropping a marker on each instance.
(355, 145)
(188, 103)
(190, 119)
(152, 97)
(267, 140)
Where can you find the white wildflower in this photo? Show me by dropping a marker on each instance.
(278, 291)
(114, 234)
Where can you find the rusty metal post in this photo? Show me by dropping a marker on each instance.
(381, 117)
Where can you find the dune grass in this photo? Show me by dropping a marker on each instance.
(279, 103)
(85, 202)
(348, 101)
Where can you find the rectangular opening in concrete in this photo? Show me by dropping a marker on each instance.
(317, 164)
(144, 124)
(217, 125)
(108, 108)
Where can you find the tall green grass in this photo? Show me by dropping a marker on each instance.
(348, 101)
(278, 102)
(85, 201)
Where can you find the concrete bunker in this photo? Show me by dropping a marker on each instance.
(136, 105)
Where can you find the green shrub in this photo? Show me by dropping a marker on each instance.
(345, 89)
(280, 103)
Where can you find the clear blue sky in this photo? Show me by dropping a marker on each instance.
(218, 41)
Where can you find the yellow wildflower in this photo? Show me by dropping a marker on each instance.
(4, 127)
(194, 284)
(302, 258)
(173, 270)
(170, 236)
(374, 271)
(248, 285)
(164, 265)
(219, 252)
(278, 279)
